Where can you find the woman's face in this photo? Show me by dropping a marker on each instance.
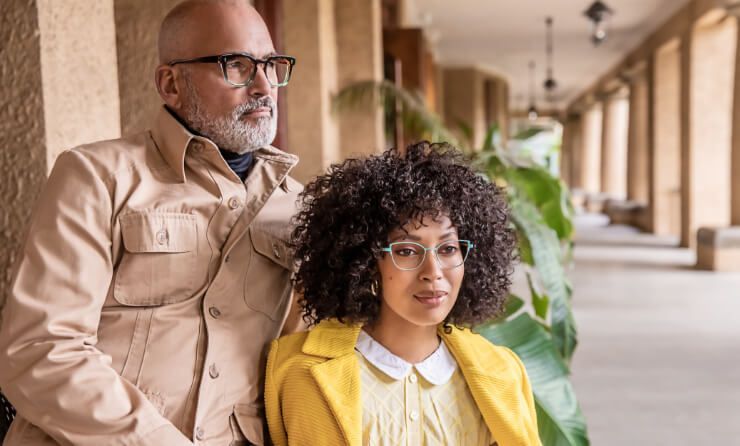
(423, 296)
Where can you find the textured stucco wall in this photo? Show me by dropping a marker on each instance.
(313, 132)
(22, 151)
(79, 75)
(137, 26)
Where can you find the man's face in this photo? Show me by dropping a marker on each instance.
(237, 119)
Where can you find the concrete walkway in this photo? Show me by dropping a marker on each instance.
(659, 356)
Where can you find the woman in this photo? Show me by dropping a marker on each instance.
(397, 252)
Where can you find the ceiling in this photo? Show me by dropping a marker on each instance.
(504, 35)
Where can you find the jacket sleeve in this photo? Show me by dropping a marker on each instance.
(50, 368)
(273, 407)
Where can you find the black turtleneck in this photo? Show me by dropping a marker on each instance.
(240, 164)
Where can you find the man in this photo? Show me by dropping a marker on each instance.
(156, 269)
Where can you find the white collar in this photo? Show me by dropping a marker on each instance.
(437, 368)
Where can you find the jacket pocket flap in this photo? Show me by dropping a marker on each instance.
(250, 423)
(273, 248)
(159, 232)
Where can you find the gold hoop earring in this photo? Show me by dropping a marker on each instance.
(374, 287)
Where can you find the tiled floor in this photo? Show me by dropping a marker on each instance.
(658, 361)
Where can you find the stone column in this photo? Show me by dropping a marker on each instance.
(591, 154)
(313, 131)
(360, 58)
(614, 145)
(665, 199)
(463, 99)
(60, 90)
(639, 137)
(711, 85)
(718, 248)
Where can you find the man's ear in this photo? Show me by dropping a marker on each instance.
(166, 78)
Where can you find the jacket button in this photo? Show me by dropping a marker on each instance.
(414, 415)
(162, 236)
(233, 203)
(199, 433)
(275, 250)
(215, 312)
(213, 371)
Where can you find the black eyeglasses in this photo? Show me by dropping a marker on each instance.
(239, 69)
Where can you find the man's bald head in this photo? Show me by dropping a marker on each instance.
(194, 27)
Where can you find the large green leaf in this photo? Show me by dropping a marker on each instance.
(548, 194)
(560, 421)
(545, 249)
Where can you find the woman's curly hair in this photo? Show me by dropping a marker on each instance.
(346, 217)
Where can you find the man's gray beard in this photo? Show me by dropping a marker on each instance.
(231, 132)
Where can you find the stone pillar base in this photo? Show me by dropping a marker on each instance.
(718, 249)
(625, 212)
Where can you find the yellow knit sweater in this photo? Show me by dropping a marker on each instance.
(312, 387)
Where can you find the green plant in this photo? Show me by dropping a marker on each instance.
(542, 214)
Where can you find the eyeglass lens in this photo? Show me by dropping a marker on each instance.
(240, 70)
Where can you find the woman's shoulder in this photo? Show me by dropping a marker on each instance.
(328, 339)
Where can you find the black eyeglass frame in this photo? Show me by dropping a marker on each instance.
(221, 59)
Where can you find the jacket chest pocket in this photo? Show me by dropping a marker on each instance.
(159, 259)
(267, 283)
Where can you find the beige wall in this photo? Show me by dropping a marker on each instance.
(137, 25)
(639, 138)
(22, 136)
(360, 58)
(591, 151)
(60, 89)
(464, 101)
(614, 146)
(711, 86)
(666, 196)
(79, 74)
(313, 132)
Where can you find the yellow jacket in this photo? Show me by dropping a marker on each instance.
(312, 387)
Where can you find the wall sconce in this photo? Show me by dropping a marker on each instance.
(599, 14)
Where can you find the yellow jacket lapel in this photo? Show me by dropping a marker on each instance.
(338, 378)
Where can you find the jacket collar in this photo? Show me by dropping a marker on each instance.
(173, 140)
(489, 380)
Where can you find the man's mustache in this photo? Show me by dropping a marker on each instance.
(251, 106)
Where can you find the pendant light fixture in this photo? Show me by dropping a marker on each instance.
(550, 84)
(532, 111)
(599, 14)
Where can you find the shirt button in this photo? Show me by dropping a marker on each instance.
(414, 415)
(199, 433)
(233, 203)
(275, 250)
(412, 378)
(215, 312)
(162, 236)
(197, 146)
(213, 371)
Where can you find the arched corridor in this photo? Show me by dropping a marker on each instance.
(658, 341)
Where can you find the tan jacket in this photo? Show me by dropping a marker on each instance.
(150, 285)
